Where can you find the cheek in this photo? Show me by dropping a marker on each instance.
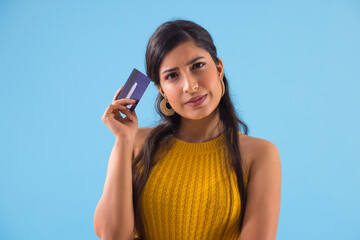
(210, 78)
(211, 83)
(173, 95)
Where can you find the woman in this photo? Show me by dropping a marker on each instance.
(195, 175)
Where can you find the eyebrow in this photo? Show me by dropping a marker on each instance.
(188, 63)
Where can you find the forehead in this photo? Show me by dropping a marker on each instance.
(181, 54)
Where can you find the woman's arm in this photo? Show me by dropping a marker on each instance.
(263, 193)
(114, 215)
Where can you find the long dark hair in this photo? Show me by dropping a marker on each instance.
(167, 36)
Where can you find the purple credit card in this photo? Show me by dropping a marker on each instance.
(134, 88)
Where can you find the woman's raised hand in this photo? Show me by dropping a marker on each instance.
(121, 126)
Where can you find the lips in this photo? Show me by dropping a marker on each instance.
(194, 99)
(197, 102)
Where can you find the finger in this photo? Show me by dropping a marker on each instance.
(124, 101)
(113, 110)
(116, 108)
(127, 114)
(117, 93)
(133, 115)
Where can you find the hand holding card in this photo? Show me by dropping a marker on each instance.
(134, 88)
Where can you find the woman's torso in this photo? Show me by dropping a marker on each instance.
(219, 190)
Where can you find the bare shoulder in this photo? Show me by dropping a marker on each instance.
(140, 137)
(256, 150)
(143, 133)
(263, 190)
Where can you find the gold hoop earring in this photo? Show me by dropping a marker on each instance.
(164, 109)
(223, 87)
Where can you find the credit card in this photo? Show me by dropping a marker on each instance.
(134, 88)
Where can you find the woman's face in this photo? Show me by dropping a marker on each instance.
(188, 71)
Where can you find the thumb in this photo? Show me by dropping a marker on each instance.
(133, 114)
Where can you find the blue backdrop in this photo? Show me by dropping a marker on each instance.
(293, 68)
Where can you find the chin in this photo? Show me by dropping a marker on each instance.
(198, 116)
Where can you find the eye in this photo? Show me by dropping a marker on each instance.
(171, 74)
(198, 64)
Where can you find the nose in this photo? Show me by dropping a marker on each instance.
(190, 84)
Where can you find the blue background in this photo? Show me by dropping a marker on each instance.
(293, 68)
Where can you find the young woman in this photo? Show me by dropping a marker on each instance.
(195, 175)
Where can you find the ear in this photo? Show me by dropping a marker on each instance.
(220, 68)
(160, 89)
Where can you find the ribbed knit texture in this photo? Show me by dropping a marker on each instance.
(187, 194)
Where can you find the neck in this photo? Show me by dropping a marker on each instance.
(198, 131)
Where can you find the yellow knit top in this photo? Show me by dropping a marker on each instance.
(187, 194)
